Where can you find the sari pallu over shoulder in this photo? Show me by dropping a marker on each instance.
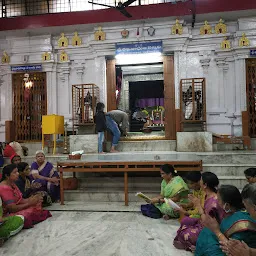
(239, 226)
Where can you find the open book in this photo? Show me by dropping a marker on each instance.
(143, 196)
(171, 203)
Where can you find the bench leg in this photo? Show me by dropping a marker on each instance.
(61, 188)
(126, 188)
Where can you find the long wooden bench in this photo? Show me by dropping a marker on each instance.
(125, 167)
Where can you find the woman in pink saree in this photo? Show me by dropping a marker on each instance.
(191, 227)
(14, 204)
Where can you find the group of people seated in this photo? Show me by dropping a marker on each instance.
(214, 221)
(24, 191)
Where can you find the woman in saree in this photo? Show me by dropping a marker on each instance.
(14, 204)
(44, 173)
(191, 225)
(193, 179)
(29, 189)
(172, 187)
(9, 226)
(233, 247)
(237, 224)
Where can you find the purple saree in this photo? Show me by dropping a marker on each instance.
(46, 170)
(190, 228)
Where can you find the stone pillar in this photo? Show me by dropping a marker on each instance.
(222, 71)
(79, 68)
(52, 99)
(100, 77)
(64, 90)
(240, 92)
(6, 98)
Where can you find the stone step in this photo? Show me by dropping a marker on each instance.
(145, 145)
(89, 191)
(103, 196)
(233, 157)
(115, 183)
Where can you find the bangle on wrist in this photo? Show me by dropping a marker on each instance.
(219, 235)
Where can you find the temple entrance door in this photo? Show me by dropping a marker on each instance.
(169, 93)
(29, 104)
(251, 95)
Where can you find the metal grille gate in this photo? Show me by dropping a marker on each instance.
(28, 106)
(251, 95)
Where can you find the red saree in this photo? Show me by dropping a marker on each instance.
(32, 215)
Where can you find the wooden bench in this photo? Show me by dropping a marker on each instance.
(125, 167)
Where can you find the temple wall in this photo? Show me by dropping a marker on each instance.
(195, 55)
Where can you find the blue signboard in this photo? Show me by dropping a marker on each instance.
(253, 52)
(140, 47)
(26, 68)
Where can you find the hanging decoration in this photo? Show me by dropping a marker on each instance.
(76, 40)
(225, 44)
(206, 29)
(28, 84)
(151, 31)
(63, 56)
(99, 35)
(63, 41)
(46, 56)
(244, 41)
(5, 58)
(221, 28)
(125, 33)
(138, 32)
(177, 29)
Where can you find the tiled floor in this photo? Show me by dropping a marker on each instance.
(96, 234)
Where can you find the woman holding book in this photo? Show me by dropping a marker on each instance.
(172, 187)
(191, 226)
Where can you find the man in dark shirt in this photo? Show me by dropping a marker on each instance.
(101, 126)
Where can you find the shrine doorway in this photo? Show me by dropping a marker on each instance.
(114, 97)
(29, 105)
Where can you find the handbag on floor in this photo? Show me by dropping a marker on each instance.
(151, 211)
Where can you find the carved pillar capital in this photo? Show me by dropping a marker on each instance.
(222, 64)
(64, 71)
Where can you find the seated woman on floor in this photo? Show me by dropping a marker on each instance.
(14, 204)
(172, 187)
(191, 226)
(232, 246)
(193, 179)
(44, 173)
(236, 225)
(250, 175)
(9, 226)
(15, 159)
(27, 188)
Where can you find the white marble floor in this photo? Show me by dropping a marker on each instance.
(96, 234)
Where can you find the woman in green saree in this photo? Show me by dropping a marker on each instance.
(236, 225)
(172, 187)
(9, 226)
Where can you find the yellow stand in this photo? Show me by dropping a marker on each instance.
(52, 124)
